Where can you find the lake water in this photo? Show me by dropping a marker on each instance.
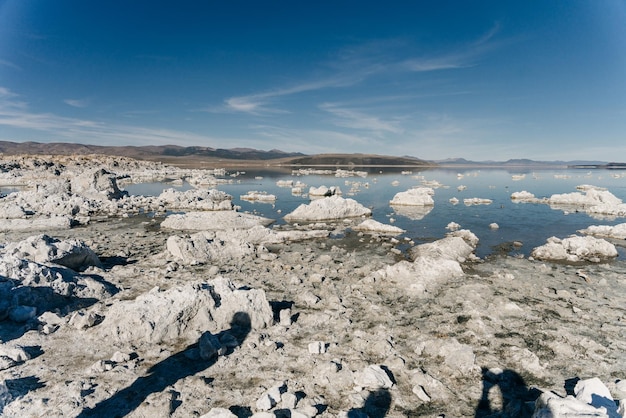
(528, 223)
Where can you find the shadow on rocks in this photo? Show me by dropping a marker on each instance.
(166, 373)
(514, 399)
(376, 405)
(17, 388)
(20, 305)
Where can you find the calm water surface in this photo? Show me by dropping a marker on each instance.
(528, 223)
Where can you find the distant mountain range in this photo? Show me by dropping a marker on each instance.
(196, 155)
(522, 163)
(142, 152)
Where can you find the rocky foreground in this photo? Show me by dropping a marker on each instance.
(112, 305)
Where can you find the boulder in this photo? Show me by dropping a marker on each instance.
(450, 248)
(195, 199)
(616, 232)
(43, 249)
(373, 377)
(36, 224)
(206, 246)
(213, 221)
(419, 196)
(324, 191)
(372, 226)
(591, 399)
(185, 312)
(575, 249)
(330, 208)
(97, 183)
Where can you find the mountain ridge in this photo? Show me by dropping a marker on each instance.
(200, 155)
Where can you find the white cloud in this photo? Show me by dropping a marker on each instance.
(260, 102)
(244, 104)
(353, 119)
(10, 64)
(314, 140)
(357, 64)
(16, 115)
(6, 93)
(81, 103)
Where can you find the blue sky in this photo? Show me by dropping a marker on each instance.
(484, 80)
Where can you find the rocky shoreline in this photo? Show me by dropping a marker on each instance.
(113, 306)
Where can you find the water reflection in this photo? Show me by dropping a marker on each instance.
(526, 223)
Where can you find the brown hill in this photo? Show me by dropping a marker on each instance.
(214, 157)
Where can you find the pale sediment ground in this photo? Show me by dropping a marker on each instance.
(345, 339)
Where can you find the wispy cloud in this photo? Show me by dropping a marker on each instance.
(260, 103)
(313, 140)
(80, 103)
(10, 64)
(356, 64)
(17, 115)
(6, 93)
(463, 57)
(354, 119)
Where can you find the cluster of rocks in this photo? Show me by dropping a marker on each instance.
(61, 192)
(597, 202)
(213, 313)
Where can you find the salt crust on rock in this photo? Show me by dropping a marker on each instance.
(515, 303)
(324, 191)
(433, 264)
(207, 246)
(575, 249)
(96, 183)
(256, 196)
(184, 312)
(196, 199)
(617, 232)
(592, 399)
(44, 249)
(477, 201)
(373, 377)
(524, 196)
(213, 221)
(29, 288)
(370, 225)
(593, 200)
(36, 224)
(329, 208)
(78, 187)
(419, 196)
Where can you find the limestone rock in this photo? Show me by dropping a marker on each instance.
(213, 221)
(185, 312)
(330, 208)
(373, 377)
(575, 248)
(44, 249)
(419, 196)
